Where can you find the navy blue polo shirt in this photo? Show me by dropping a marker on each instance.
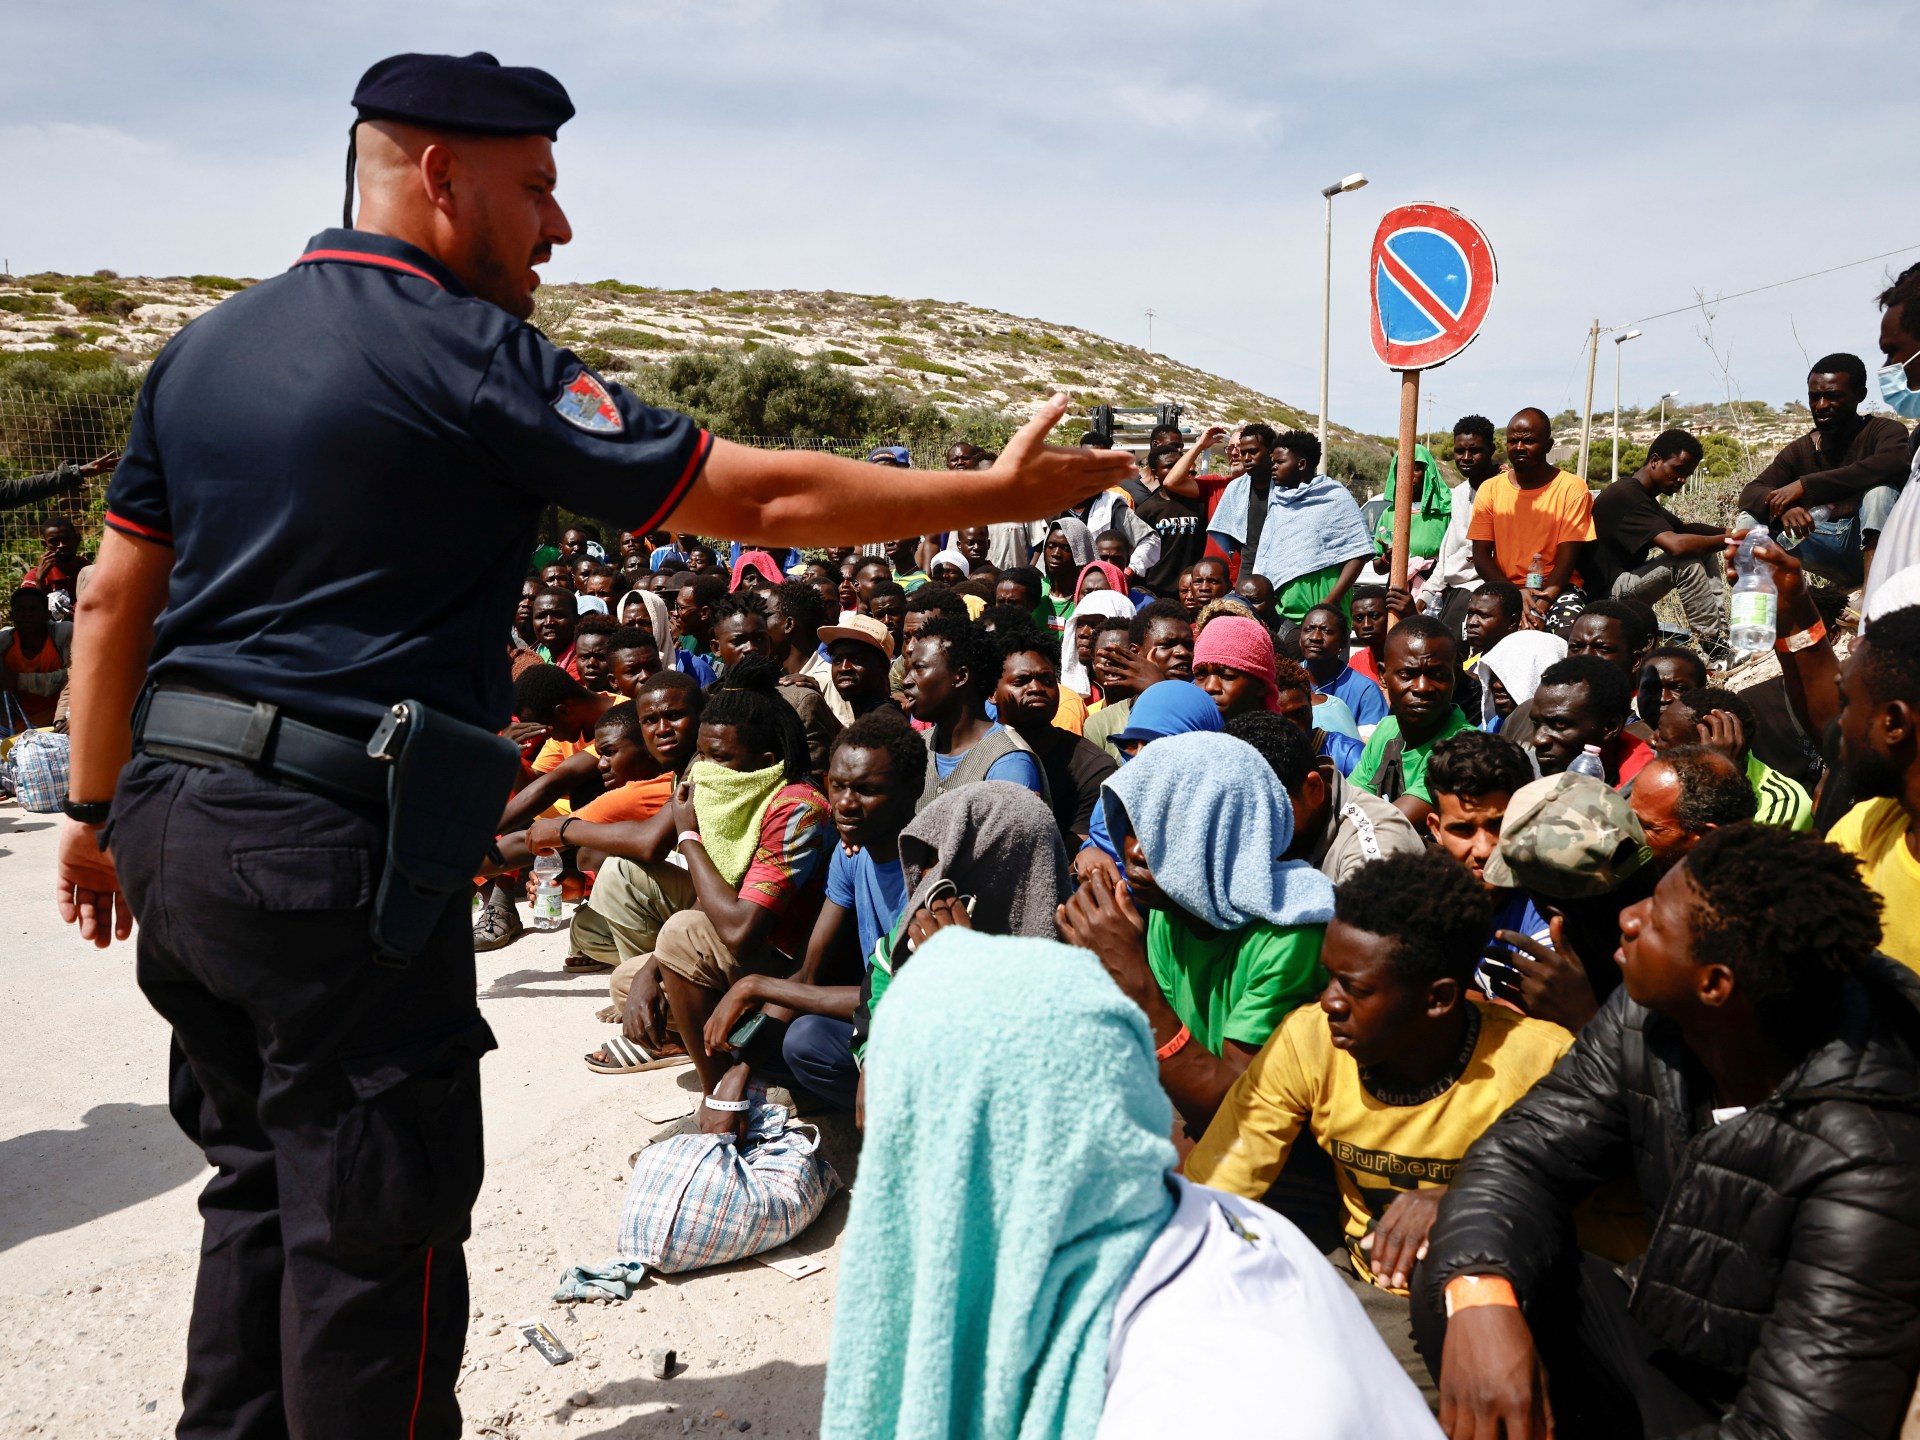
(349, 461)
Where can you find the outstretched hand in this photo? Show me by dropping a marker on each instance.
(1051, 478)
(88, 889)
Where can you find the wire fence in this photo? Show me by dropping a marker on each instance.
(39, 430)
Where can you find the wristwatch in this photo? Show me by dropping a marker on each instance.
(88, 812)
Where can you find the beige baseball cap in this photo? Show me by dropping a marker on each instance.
(864, 628)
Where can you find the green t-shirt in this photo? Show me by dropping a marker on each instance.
(1303, 592)
(1413, 759)
(1236, 984)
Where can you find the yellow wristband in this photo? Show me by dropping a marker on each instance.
(1463, 1292)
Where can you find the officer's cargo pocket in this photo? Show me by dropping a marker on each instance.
(305, 877)
(408, 1157)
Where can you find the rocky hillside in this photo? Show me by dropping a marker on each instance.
(952, 354)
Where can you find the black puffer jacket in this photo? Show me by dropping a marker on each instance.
(1786, 1250)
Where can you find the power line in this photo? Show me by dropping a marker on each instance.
(1738, 294)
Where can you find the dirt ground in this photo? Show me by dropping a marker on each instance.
(98, 1230)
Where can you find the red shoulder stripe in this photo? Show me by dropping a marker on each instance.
(145, 532)
(695, 463)
(366, 258)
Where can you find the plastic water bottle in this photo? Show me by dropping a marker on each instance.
(546, 892)
(1588, 762)
(1755, 603)
(1537, 571)
(1430, 605)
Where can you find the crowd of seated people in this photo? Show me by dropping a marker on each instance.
(1331, 850)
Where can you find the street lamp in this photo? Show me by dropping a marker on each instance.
(1670, 395)
(1341, 187)
(1618, 341)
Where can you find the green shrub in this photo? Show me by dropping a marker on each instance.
(57, 371)
(594, 357)
(1367, 468)
(218, 282)
(931, 367)
(786, 329)
(26, 304)
(95, 299)
(619, 287)
(627, 337)
(841, 357)
(1069, 377)
(900, 340)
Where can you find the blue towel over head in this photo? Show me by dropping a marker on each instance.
(1213, 820)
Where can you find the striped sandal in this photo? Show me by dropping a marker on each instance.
(618, 1055)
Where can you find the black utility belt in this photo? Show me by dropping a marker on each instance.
(194, 726)
(440, 784)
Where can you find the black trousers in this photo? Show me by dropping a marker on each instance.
(338, 1099)
(1607, 1377)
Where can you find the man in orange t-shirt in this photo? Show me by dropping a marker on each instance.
(1533, 508)
(33, 657)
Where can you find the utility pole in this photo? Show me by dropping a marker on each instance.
(1150, 313)
(1586, 413)
(1339, 187)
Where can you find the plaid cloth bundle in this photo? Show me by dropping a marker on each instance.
(698, 1200)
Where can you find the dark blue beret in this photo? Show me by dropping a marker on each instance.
(473, 93)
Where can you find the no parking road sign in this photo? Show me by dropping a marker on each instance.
(1433, 279)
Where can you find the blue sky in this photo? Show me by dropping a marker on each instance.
(1078, 162)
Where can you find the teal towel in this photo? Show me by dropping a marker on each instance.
(1013, 1173)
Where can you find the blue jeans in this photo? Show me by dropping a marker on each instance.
(1832, 549)
(819, 1052)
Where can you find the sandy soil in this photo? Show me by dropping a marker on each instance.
(98, 1231)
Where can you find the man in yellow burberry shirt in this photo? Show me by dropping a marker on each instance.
(1396, 1072)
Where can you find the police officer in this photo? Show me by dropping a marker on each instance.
(252, 813)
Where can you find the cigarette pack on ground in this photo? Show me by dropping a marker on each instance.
(794, 1267)
(545, 1341)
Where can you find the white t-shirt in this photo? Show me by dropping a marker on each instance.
(1453, 566)
(1234, 1324)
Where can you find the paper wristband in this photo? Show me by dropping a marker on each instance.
(1463, 1292)
(728, 1107)
(1802, 639)
(685, 835)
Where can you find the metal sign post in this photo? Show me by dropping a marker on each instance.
(1433, 277)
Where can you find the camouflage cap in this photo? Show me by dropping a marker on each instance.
(1568, 837)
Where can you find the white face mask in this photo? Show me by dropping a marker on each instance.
(1901, 398)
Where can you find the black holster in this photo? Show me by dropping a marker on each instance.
(447, 783)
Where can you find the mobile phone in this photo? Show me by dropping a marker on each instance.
(742, 1034)
(1497, 979)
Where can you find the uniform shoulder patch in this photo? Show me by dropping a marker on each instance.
(585, 404)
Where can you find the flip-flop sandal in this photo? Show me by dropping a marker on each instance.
(626, 1057)
(584, 965)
